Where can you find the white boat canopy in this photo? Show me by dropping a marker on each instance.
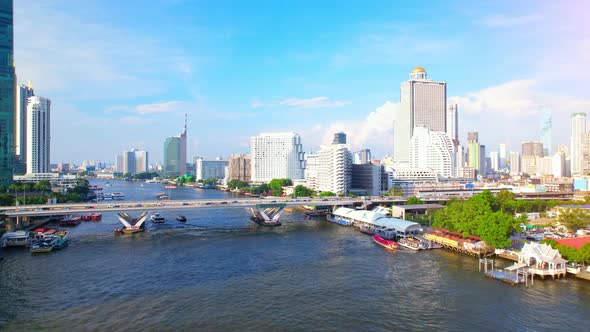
(378, 217)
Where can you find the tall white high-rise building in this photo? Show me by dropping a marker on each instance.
(502, 155)
(132, 162)
(276, 156)
(514, 163)
(423, 104)
(38, 136)
(494, 160)
(433, 150)
(23, 93)
(453, 122)
(141, 161)
(578, 121)
(119, 163)
(459, 160)
(334, 169)
(311, 171)
(210, 169)
(558, 165)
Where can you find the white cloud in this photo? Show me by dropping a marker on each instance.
(503, 21)
(163, 107)
(309, 103)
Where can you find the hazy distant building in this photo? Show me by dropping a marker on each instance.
(558, 165)
(362, 157)
(502, 155)
(210, 169)
(339, 138)
(453, 122)
(240, 167)
(38, 136)
(534, 149)
(141, 161)
(7, 94)
(132, 162)
(546, 130)
(423, 104)
(119, 163)
(23, 93)
(433, 150)
(474, 157)
(494, 161)
(63, 167)
(563, 149)
(276, 156)
(129, 162)
(514, 159)
(578, 123)
(334, 169)
(545, 165)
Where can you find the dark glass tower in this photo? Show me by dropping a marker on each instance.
(7, 93)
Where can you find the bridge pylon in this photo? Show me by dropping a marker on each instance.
(267, 214)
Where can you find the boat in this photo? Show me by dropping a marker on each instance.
(62, 240)
(118, 195)
(412, 244)
(170, 187)
(181, 218)
(96, 216)
(367, 230)
(87, 217)
(45, 245)
(387, 244)
(161, 196)
(107, 196)
(71, 221)
(156, 218)
(15, 239)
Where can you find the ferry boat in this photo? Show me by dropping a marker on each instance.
(15, 239)
(118, 195)
(96, 216)
(181, 218)
(161, 196)
(62, 239)
(387, 244)
(44, 245)
(156, 218)
(412, 244)
(87, 217)
(170, 187)
(71, 221)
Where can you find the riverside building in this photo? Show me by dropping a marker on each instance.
(38, 136)
(7, 93)
(334, 169)
(240, 167)
(433, 150)
(210, 169)
(23, 93)
(578, 123)
(275, 156)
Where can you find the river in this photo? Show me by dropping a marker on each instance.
(221, 272)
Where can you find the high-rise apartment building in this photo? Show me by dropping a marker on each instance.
(423, 104)
(38, 136)
(514, 159)
(339, 138)
(501, 155)
(534, 149)
(276, 156)
(7, 93)
(334, 169)
(129, 162)
(119, 163)
(240, 167)
(433, 150)
(141, 161)
(494, 161)
(23, 93)
(546, 130)
(132, 162)
(558, 165)
(453, 122)
(175, 153)
(578, 123)
(483, 166)
(564, 149)
(362, 157)
(474, 151)
(311, 171)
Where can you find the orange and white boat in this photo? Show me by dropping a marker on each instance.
(387, 244)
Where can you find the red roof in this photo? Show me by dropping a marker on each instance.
(576, 242)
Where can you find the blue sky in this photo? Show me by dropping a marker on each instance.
(121, 74)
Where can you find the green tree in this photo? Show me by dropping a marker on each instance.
(574, 219)
(414, 200)
(276, 185)
(302, 191)
(495, 229)
(233, 184)
(327, 194)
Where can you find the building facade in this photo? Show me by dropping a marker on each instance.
(494, 161)
(502, 155)
(210, 169)
(334, 169)
(38, 136)
(311, 171)
(172, 158)
(366, 178)
(578, 123)
(339, 138)
(532, 149)
(514, 159)
(7, 93)
(453, 122)
(423, 104)
(276, 156)
(240, 167)
(362, 157)
(433, 150)
(546, 130)
(23, 93)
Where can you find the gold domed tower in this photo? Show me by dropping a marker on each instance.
(418, 73)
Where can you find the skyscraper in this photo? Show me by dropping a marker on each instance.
(578, 122)
(423, 104)
(494, 160)
(546, 130)
(276, 156)
(240, 167)
(7, 93)
(534, 149)
(433, 150)
(129, 164)
(141, 161)
(38, 136)
(502, 155)
(453, 122)
(334, 169)
(339, 138)
(175, 153)
(23, 92)
(473, 151)
(362, 157)
(514, 163)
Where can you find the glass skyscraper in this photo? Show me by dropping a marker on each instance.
(7, 93)
(172, 156)
(546, 130)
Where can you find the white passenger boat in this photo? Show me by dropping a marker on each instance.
(15, 239)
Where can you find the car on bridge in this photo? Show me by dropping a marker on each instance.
(234, 202)
(184, 203)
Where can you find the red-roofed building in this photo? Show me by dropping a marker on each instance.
(576, 242)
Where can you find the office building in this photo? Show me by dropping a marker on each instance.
(38, 136)
(339, 138)
(334, 169)
(433, 150)
(7, 94)
(453, 123)
(129, 162)
(362, 157)
(544, 165)
(23, 93)
(210, 169)
(311, 171)
(502, 155)
(175, 154)
(141, 161)
(514, 159)
(494, 161)
(366, 179)
(276, 156)
(578, 123)
(132, 162)
(240, 167)
(423, 104)
(474, 151)
(546, 130)
(534, 149)
(119, 163)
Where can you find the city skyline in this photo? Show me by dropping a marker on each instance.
(137, 74)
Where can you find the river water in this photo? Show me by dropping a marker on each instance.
(221, 272)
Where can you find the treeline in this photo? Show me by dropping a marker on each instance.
(39, 193)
